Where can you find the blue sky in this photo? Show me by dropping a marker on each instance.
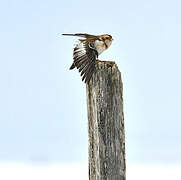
(43, 104)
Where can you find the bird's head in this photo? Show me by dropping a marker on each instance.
(107, 39)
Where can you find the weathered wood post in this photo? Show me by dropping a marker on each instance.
(106, 123)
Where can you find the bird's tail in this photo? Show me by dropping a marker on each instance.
(84, 35)
(68, 34)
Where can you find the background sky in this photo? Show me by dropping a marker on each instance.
(43, 116)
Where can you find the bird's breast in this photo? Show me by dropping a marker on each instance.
(99, 46)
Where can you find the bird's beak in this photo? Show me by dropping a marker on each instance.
(112, 39)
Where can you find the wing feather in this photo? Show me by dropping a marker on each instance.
(89, 71)
(84, 56)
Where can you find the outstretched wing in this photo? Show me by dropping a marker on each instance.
(84, 56)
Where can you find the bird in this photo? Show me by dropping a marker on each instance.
(86, 52)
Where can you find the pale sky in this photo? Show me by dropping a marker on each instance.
(43, 105)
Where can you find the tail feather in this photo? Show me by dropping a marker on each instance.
(68, 34)
(84, 35)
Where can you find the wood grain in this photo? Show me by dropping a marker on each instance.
(106, 123)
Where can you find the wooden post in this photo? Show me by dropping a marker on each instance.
(106, 123)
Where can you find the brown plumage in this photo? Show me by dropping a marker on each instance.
(87, 51)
